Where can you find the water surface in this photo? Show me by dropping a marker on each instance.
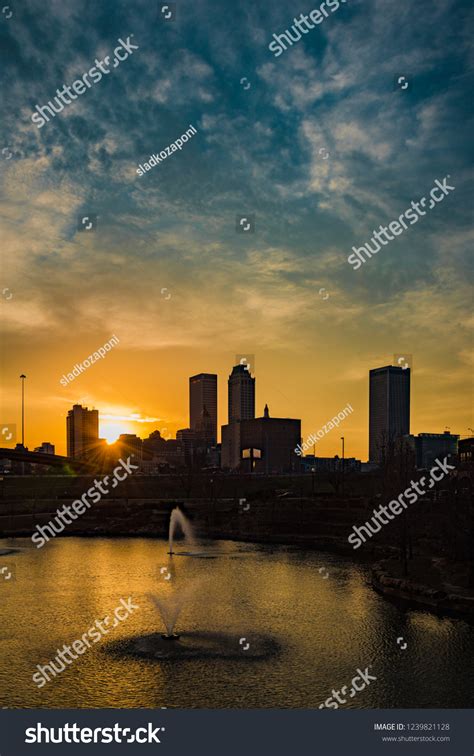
(325, 628)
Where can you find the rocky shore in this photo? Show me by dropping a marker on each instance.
(456, 601)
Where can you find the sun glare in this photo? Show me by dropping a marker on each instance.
(111, 431)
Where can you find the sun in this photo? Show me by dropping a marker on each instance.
(111, 431)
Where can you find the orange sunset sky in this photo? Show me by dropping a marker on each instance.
(319, 149)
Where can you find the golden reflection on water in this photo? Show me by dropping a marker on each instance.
(326, 627)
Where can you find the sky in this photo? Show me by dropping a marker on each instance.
(320, 145)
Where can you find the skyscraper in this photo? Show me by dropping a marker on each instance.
(389, 408)
(241, 394)
(82, 426)
(203, 403)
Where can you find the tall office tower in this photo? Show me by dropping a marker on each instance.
(389, 408)
(203, 396)
(241, 394)
(82, 426)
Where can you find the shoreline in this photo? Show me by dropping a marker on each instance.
(434, 599)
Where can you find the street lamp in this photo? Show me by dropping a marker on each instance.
(342, 439)
(22, 378)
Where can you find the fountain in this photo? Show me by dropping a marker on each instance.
(179, 518)
(171, 606)
(196, 644)
(169, 610)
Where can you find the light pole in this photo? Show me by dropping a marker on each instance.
(22, 378)
(342, 439)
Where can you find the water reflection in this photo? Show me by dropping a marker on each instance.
(324, 628)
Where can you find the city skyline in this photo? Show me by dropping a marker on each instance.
(319, 146)
(143, 426)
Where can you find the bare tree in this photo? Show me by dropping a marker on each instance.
(398, 468)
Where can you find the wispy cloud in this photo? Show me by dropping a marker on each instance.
(321, 147)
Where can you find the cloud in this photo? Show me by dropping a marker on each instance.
(321, 148)
(132, 417)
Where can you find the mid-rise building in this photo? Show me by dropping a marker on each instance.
(261, 445)
(310, 463)
(129, 444)
(46, 448)
(430, 446)
(187, 439)
(389, 409)
(154, 445)
(82, 427)
(466, 450)
(160, 455)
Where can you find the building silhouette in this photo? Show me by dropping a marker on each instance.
(256, 444)
(466, 450)
(159, 454)
(46, 448)
(129, 444)
(199, 440)
(429, 446)
(205, 429)
(82, 428)
(203, 404)
(262, 444)
(310, 463)
(241, 396)
(389, 409)
(188, 441)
